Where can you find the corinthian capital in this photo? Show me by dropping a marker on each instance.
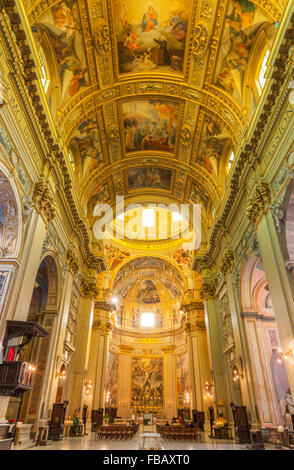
(258, 202)
(44, 202)
(72, 261)
(227, 261)
(209, 286)
(88, 287)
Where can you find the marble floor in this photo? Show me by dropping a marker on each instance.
(88, 442)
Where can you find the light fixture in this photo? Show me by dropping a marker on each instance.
(114, 300)
(61, 375)
(88, 386)
(287, 356)
(208, 393)
(147, 319)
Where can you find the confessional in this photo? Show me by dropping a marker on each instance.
(56, 423)
(241, 425)
(96, 419)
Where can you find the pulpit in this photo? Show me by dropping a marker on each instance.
(242, 430)
(16, 377)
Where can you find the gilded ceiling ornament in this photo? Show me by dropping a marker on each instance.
(149, 87)
(44, 202)
(101, 39)
(113, 134)
(200, 40)
(169, 349)
(206, 10)
(186, 135)
(258, 202)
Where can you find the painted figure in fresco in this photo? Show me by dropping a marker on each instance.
(63, 27)
(130, 43)
(162, 43)
(150, 19)
(178, 26)
(149, 177)
(241, 32)
(148, 293)
(145, 43)
(115, 256)
(89, 145)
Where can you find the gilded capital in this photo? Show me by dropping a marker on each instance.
(72, 261)
(169, 349)
(209, 286)
(258, 202)
(44, 202)
(125, 349)
(227, 261)
(88, 287)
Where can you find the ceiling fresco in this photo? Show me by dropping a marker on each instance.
(150, 36)
(151, 94)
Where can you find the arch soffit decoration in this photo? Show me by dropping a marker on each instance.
(130, 261)
(13, 212)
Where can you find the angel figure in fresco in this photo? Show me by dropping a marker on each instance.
(242, 15)
(178, 26)
(130, 43)
(63, 27)
(89, 145)
(150, 19)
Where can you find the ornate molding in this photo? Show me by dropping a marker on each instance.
(44, 202)
(258, 202)
(199, 325)
(88, 287)
(169, 349)
(209, 287)
(125, 349)
(227, 261)
(72, 261)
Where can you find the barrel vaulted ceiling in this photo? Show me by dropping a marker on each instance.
(150, 97)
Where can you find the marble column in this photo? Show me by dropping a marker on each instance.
(100, 338)
(248, 393)
(18, 304)
(280, 286)
(56, 347)
(124, 382)
(170, 382)
(75, 392)
(219, 372)
(199, 364)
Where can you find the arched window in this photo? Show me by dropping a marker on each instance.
(45, 79)
(231, 160)
(262, 71)
(72, 161)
